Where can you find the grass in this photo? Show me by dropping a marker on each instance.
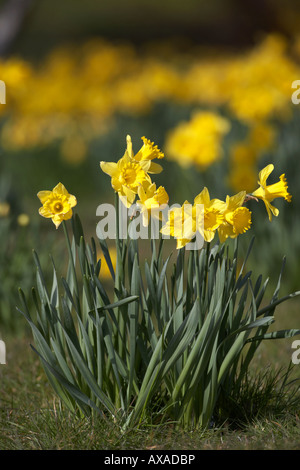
(263, 415)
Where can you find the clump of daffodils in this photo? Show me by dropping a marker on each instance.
(117, 356)
(131, 180)
(230, 218)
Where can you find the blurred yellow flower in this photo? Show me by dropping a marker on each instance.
(237, 219)
(74, 149)
(198, 141)
(261, 82)
(243, 153)
(242, 176)
(105, 273)
(159, 80)
(15, 73)
(57, 204)
(262, 136)
(254, 86)
(23, 220)
(270, 192)
(4, 209)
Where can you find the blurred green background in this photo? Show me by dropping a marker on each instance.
(80, 76)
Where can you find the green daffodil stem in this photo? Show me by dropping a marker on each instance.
(119, 280)
(206, 269)
(72, 266)
(119, 265)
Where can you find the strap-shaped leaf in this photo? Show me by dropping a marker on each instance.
(274, 304)
(289, 333)
(133, 312)
(119, 303)
(238, 344)
(80, 398)
(88, 376)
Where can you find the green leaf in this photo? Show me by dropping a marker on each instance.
(119, 303)
(88, 376)
(73, 390)
(276, 335)
(274, 304)
(241, 336)
(133, 311)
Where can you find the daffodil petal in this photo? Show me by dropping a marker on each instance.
(264, 174)
(129, 146)
(155, 168)
(67, 215)
(60, 189)
(110, 168)
(271, 210)
(145, 165)
(57, 220)
(209, 235)
(125, 201)
(259, 192)
(203, 197)
(236, 201)
(44, 212)
(72, 200)
(181, 242)
(43, 196)
(225, 231)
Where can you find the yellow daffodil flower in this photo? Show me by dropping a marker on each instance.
(148, 152)
(186, 221)
(151, 201)
(181, 224)
(211, 218)
(131, 171)
(237, 219)
(57, 204)
(126, 177)
(271, 192)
